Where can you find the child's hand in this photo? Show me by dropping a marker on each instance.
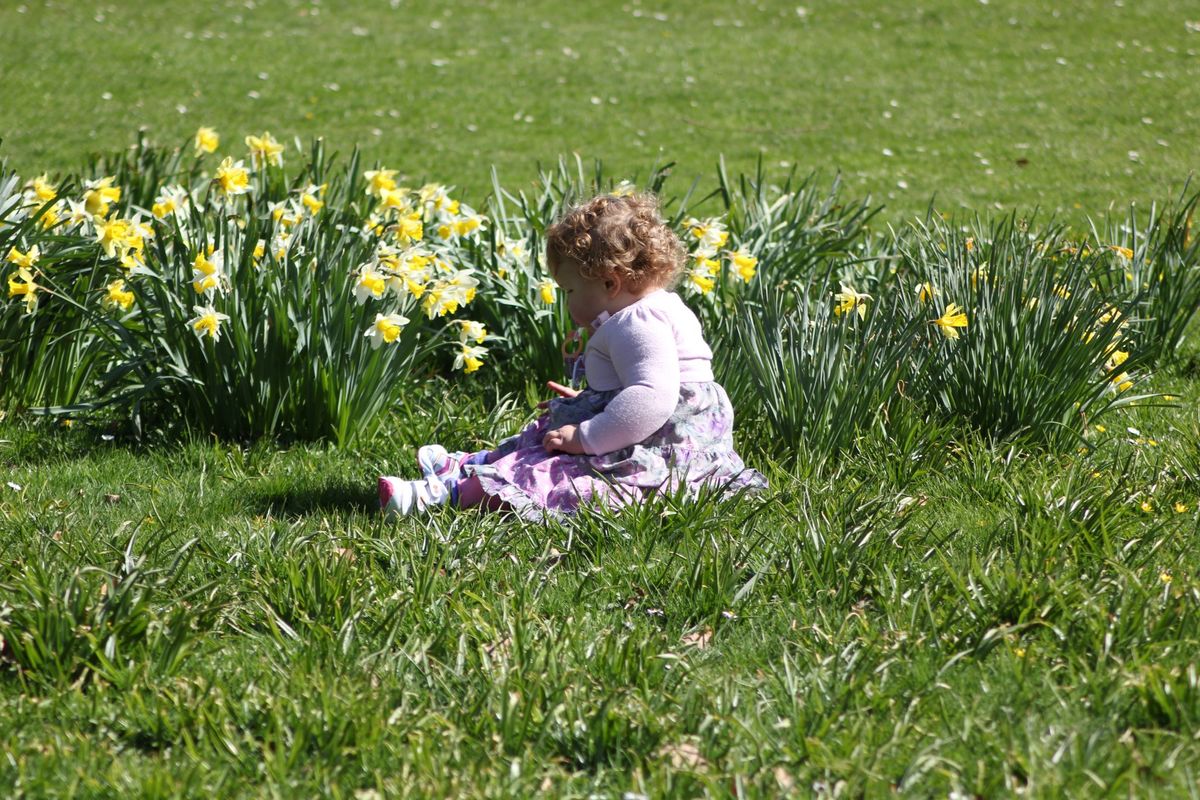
(563, 391)
(565, 439)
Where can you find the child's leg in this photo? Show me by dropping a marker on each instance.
(469, 492)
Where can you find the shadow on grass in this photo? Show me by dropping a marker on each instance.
(332, 498)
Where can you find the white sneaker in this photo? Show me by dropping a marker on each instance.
(436, 462)
(400, 498)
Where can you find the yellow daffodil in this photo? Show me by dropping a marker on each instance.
(207, 140)
(546, 288)
(951, 320)
(311, 198)
(395, 200)
(207, 321)
(385, 329)
(1116, 359)
(232, 178)
(43, 191)
(624, 189)
(926, 292)
(98, 195)
(970, 243)
(849, 301)
(27, 259)
(1123, 252)
(409, 228)
(207, 271)
(1180, 508)
(978, 275)
(709, 233)
(1122, 382)
(701, 279)
(112, 234)
(744, 264)
(264, 150)
(471, 330)
(27, 290)
(379, 181)
(260, 250)
(370, 284)
(117, 296)
(469, 358)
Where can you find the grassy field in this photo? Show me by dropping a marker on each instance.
(1069, 106)
(989, 621)
(952, 615)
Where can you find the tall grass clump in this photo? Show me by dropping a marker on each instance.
(1155, 261)
(1021, 343)
(812, 377)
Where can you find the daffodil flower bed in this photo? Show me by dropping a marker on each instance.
(272, 292)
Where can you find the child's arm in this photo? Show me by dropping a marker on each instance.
(647, 363)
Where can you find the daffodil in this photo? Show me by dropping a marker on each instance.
(395, 200)
(111, 235)
(950, 321)
(379, 181)
(370, 284)
(385, 329)
(27, 259)
(744, 264)
(409, 228)
(709, 233)
(264, 150)
(546, 289)
(27, 290)
(927, 291)
(1116, 359)
(260, 250)
(311, 198)
(232, 178)
(1123, 252)
(207, 140)
(98, 195)
(171, 200)
(701, 279)
(207, 272)
(52, 215)
(624, 189)
(117, 296)
(1122, 382)
(207, 321)
(850, 301)
(1180, 508)
(469, 357)
(41, 189)
(434, 196)
(471, 330)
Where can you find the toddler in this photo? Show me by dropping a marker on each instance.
(651, 418)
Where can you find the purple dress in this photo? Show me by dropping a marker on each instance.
(693, 449)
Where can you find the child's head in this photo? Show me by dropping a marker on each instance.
(614, 244)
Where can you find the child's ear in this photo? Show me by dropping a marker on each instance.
(613, 286)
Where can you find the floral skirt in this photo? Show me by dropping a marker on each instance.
(693, 449)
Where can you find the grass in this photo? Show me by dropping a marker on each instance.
(205, 617)
(990, 106)
(197, 617)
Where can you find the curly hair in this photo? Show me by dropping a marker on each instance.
(624, 237)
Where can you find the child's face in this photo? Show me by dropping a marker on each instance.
(586, 297)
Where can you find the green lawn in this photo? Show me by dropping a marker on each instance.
(190, 617)
(1069, 106)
